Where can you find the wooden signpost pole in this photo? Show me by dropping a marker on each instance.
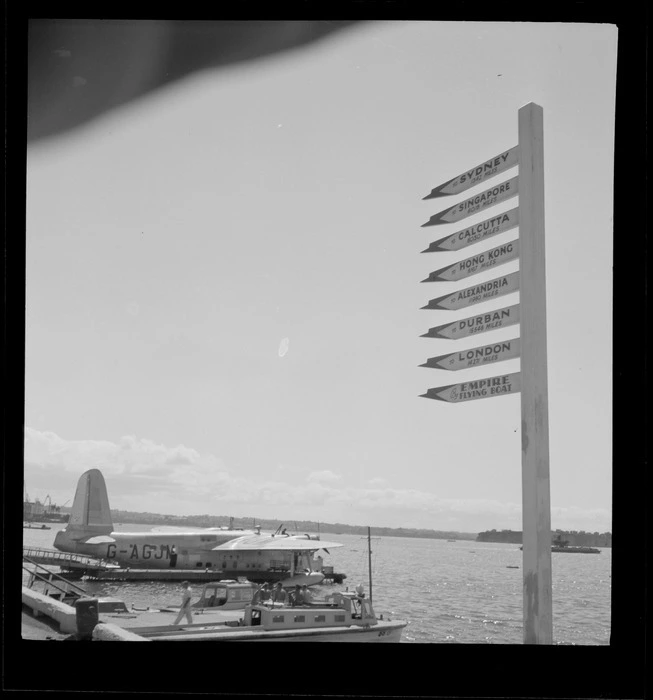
(536, 515)
(531, 381)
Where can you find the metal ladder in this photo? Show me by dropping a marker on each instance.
(54, 585)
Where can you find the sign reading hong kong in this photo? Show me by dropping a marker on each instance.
(477, 294)
(490, 321)
(476, 175)
(476, 389)
(477, 203)
(477, 263)
(477, 232)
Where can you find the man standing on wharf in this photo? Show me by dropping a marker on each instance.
(185, 604)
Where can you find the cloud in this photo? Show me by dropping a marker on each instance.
(325, 476)
(143, 475)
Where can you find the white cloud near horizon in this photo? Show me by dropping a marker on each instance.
(146, 476)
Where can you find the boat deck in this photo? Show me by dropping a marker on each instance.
(165, 617)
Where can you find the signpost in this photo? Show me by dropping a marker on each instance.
(477, 263)
(536, 506)
(530, 314)
(474, 357)
(484, 291)
(476, 233)
(476, 389)
(480, 173)
(483, 200)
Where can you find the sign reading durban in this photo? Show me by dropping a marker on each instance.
(474, 357)
(489, 321)
(476, 233)
(485, 291)
(477, 263)
(484, 171)
(476, 389)
(488, 198)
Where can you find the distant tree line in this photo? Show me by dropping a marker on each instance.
(573, 538)
(293, 526)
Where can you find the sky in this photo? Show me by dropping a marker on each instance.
(223, 284)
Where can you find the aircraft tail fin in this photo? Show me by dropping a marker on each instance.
(90, 512)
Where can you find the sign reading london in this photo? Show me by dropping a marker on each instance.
(476, 389)
(477, 263)
(489, 321)
(477, 203)
(480, 173)
(484, 355)
(477, 232)
(478, 293)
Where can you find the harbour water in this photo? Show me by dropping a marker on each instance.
(463, 592)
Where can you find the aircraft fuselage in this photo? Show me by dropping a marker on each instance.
(159, 550)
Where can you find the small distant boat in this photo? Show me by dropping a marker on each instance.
(560, 545)
(511, 567)
(33, 526)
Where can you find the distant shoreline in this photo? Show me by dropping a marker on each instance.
(306, 526)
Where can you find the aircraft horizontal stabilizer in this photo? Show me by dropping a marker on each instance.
(98, 539)
(275, 543)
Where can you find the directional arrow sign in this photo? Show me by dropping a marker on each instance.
(476, 389)
(489, 321)
(475, 295)
(484, 355)
(477, 263)
(483, 200)
(477, 232)
(476, 175)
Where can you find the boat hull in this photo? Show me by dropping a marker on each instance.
(386, 631)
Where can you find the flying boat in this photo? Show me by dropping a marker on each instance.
(229, 552)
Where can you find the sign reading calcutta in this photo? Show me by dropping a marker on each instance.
(484, 355)
(477, 203)
(476, 389)
(480, 173)
(477, 294)
(477, 263)
(489, 321)
(477, 232)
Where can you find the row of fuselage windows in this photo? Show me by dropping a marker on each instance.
(208, 565)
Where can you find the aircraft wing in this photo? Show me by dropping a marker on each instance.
(179, 530)
(275, 543)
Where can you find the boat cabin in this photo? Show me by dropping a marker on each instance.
(226, 595)
(338, 610)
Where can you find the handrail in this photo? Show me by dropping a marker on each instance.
(52, 579)
(54, 555)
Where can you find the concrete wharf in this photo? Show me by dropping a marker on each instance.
(157, 575)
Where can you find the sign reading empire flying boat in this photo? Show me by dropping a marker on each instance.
(480, 173)
(477, 263)
(476, 389)
(472, 205)
(476, 233)
(481, 292)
